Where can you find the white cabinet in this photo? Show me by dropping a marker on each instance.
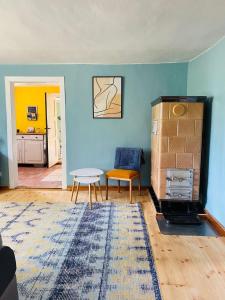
(33, 152)
(31, 149)
(20, 151)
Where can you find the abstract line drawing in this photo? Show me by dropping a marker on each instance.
(107, 97)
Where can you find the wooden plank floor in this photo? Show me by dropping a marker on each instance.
(188, 267)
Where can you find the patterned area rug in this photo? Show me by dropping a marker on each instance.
(71, 252)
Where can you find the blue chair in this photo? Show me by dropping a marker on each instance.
(127, 167)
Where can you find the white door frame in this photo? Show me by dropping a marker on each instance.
(11, 123)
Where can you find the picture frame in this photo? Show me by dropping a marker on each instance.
(32, 113)
(107, 97)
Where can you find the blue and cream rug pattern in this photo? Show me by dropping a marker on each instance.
(71, 252)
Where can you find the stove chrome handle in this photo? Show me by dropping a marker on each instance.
(174, 178)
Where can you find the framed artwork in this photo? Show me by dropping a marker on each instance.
(32, 113)
(107, 97)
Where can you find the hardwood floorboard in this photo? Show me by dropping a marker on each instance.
(188, 267)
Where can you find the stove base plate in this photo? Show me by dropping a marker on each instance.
(183, 219)
(202, 229)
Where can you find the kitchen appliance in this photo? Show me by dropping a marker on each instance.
(30, 129)
(176, 155)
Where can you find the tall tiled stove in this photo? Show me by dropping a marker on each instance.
(176, 152)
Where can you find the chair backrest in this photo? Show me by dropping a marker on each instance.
(129, 158)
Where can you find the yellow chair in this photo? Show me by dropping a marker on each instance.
(127, 167)
(123, 175)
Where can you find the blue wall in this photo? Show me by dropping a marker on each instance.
(206, 76)
(91, 143)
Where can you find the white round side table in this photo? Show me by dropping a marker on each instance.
(88, 176)
(87, 172)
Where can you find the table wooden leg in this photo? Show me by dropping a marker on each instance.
(72, 189)
(100, 191)
(96, 198)
(139, 185)
(106, 186)
(78, 185)
(118, 186)
(90, 200)
(130, 188)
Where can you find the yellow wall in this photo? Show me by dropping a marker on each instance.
(31, 96)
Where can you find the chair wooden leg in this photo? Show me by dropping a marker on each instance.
(139, 185)
(78, 185)
(100, 191)
(90, 200)
(106, 186)
(72, 189)
(96, 198)
(118, 186)
(130, 185)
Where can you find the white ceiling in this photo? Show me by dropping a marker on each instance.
(108, 31)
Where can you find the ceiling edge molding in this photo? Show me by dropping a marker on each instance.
(208, 49)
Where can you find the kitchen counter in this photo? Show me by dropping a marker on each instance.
(31, 148)
(30, 133)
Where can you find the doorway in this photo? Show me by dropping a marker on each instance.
(38, 139)
(36, 132)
